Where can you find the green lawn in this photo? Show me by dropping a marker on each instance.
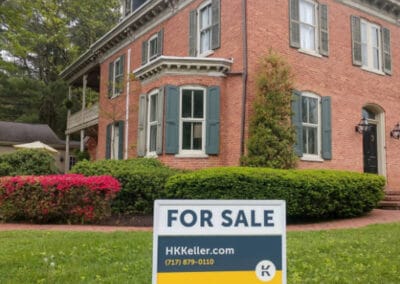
(367, 255)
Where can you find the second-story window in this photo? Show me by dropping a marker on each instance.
(371, 46)
(204, 30)
(116, 77)
(152, 47)
(132, 5)
(309, 26)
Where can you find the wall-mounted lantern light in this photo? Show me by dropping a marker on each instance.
(395, 133)
(362, 126)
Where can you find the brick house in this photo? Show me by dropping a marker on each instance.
(176, 81)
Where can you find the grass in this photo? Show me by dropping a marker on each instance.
(367, 255)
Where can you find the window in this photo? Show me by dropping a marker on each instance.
(132, 5)
(204, 30)
(192, 120)
(150, 127)
(116, 77)
(311, 124)
(312, 121)
(309, 26)
(114, 140)
(153, 117)
(371, 46)
(153, 47)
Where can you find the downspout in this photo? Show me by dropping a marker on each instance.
(127, 104)
(244, 76)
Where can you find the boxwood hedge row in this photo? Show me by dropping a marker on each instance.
(142, 181)
(309, 194)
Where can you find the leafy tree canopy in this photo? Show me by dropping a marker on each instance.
(38, 39)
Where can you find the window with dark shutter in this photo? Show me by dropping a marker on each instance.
(309, 26)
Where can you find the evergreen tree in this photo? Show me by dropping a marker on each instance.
(271, 136)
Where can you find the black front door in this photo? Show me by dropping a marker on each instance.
(370, 144)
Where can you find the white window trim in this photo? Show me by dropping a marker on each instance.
(114, 81)
(315, 51)
(315, 157)
(149, 153)
(210, 51)
(370, 66)
(192, 153)
(154, 56)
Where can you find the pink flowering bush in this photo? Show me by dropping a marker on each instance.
(68, 198)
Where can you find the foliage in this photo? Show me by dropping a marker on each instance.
(56, 198)
(5, 169)
(309, 194)
(39, 38)
(142, 180)
(271, 136)
(29, 162)
(80, 156)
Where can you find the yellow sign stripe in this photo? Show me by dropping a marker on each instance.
(231, 277)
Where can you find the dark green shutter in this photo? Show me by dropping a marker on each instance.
(323, 30)
(144, 52)
(142, 119)
(160, 42)
(356, 40)
(212, 120)
(160, 119)
(172, 120)
(216, 24)
(387, 54)
(110, 79)
(108, 141)
(193, 33)
(326, 128)
(297, 119)
(120, 140)
(294, 13)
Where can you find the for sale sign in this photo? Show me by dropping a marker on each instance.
(219, 241)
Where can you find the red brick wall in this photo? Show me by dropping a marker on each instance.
(350, 87)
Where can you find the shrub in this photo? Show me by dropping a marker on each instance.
(5, 169)
(271, 135)
(56, 198)
(309, 194)
(29, 162)
(142, 180)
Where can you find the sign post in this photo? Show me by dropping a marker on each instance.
(219, 242)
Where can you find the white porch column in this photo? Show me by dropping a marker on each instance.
(82, 146)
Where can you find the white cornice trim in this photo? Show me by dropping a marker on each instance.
(216, 67)
(388, 10)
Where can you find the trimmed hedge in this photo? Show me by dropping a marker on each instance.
(27, 162)
(142, 180)
(56, 198)
(309, 194)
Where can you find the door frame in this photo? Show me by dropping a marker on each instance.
(379, 121)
